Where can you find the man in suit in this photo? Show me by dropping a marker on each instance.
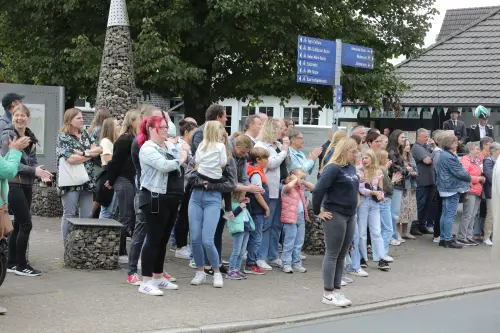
(457, 126)
(483, 129)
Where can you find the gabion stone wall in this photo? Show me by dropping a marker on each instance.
(46, 202)
(116, 91)
(314, 241)
(92, 247)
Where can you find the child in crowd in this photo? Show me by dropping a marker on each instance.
(239, 228)
(293, 215)
(211, 157)
(259, 206)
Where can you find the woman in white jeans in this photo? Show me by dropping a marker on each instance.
(76, 146)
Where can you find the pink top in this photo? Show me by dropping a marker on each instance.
(362, 185)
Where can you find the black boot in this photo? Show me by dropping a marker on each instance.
(415, 232)
(451, 245)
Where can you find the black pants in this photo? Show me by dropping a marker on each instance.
(437, 224)
(158, 228)
(19, 204)
(181, 229)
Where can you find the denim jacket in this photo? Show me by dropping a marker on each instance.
(155, 167)
(451, 175)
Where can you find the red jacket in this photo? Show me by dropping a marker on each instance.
(290, 205)
(472, 167)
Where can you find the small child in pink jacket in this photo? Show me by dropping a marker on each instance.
(293, 215)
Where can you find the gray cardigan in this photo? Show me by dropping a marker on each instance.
(229, 172)
(29, 162)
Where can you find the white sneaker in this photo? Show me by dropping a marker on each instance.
(337, 299)
(302, 256)
(488, 242)
(192, 264)
(123, 259)
(218, 280)
(299, 268)
(263, 265)
(343, 283)
(360, 273)
(287, 269)
(165, 284)
(388, 259)
(199, 278)
(394, 242)
(150, 288)
(276, 263)
(182, 253)
(436, 239)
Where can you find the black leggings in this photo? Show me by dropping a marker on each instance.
(20, 204)
(181, 229)
(158, 228)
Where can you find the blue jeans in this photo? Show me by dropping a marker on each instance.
(369, 216)
(271, 231)
(355, 255)
(293, 241)
(255, 239)
(110, 211)
(397, 196)
(240, 241)
(450, 205)
(204, 212)
(386, 223)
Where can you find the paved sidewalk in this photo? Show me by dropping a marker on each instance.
(64, 300)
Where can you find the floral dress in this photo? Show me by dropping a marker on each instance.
(409, 201)
(66, 143)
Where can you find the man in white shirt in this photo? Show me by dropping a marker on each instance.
(253, 124)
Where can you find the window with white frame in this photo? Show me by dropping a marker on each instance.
(293, 113)
(310, 116)
(269, 110)
(229, 111)
(246, 111)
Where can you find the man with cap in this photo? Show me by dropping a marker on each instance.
(457, 126)
(483, 129)
(9, 102)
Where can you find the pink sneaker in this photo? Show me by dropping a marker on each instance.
(168, 277)
(134, 279)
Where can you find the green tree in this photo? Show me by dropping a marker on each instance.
(208, 50)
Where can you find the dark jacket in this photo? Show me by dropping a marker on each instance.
(398, 165)
(121, 164)
(460, 131)
(451, 175)
(29, 162)
(488, 165)
(322, 155)
(475, 134)
(241, 165)
(197, 139)
(227, 186)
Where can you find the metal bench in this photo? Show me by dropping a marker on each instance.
(92, 244)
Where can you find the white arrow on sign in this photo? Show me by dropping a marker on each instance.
(300, 62)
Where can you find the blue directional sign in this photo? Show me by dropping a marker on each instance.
(325, 81)
(357, 56)
(338, 98)
(316, 61)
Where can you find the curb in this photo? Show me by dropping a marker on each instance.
(242, 326)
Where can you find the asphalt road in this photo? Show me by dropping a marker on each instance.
(472, 313)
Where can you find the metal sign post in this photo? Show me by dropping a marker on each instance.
(337, 89)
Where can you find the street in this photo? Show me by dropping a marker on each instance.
(476, 312)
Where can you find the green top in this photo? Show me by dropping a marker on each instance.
(9, 166)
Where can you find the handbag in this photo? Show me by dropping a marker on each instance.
(71, 174)
(5, 222)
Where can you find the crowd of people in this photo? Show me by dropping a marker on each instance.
(373, 191)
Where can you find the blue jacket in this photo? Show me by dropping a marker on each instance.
(488, 165)
(451, 175)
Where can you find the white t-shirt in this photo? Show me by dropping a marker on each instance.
(107, 149)
(210, 160)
